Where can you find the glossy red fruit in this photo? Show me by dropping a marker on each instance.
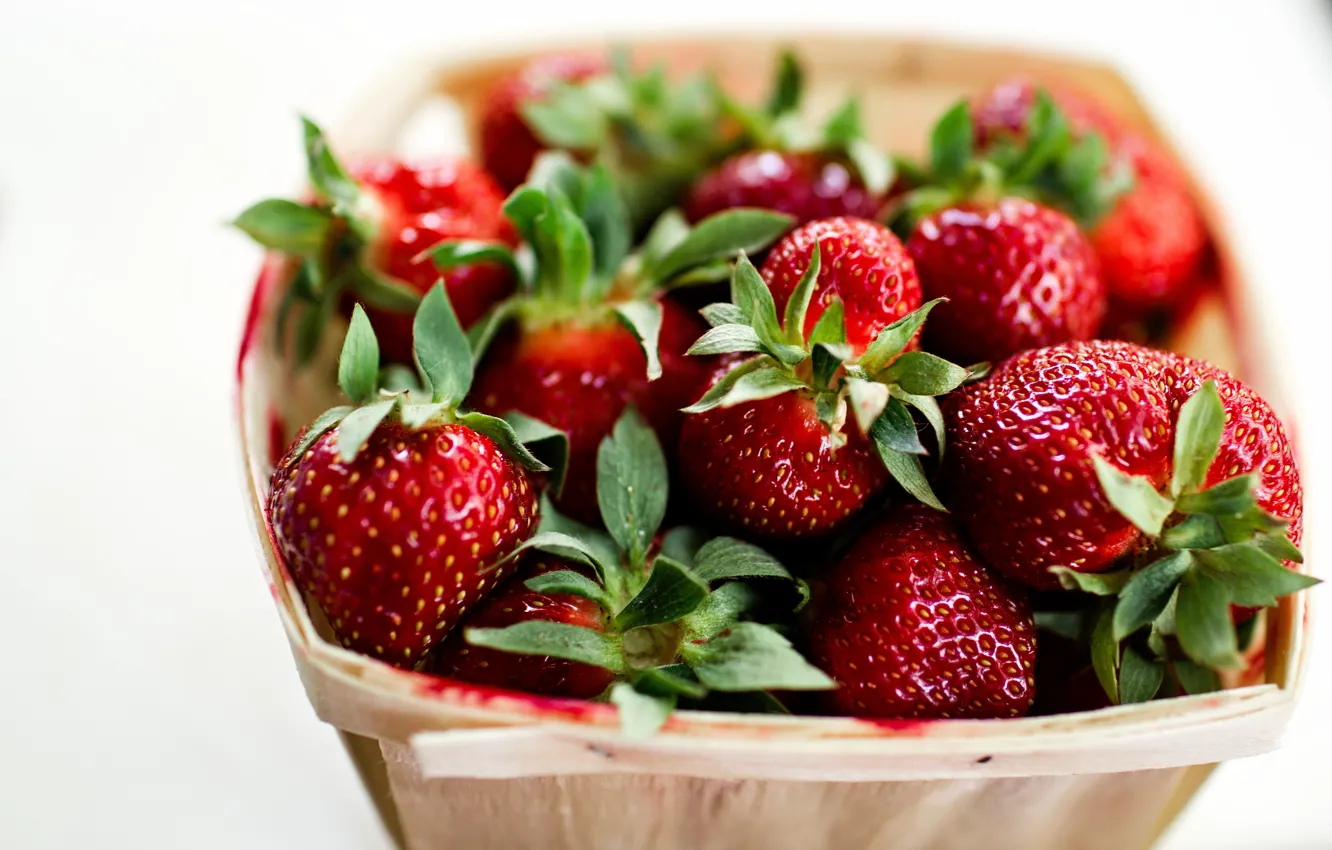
(396, 545)
(1253, 440)
(579, 378)
(912, 625)
(863, 264)
(770, 469)
(1017, 275)
(808, 186)
(1151, 244)
(515, 603)
(1154, 240)
(419, 206)
(1018, 471)
(508, 146)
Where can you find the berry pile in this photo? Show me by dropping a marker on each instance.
(557, 474)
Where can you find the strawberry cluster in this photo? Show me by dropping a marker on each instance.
(586, 418)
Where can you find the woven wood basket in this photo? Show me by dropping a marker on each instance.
(455, 766)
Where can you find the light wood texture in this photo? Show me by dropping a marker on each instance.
(474, 768)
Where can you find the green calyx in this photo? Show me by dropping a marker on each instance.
(429, 395)
(1046, 163)
(654, 135)
(778, 125)
(329, 237)
(679, 614)
(883, 389)
(576, 262)
(1211, 549)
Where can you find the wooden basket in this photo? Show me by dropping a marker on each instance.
(456, 766)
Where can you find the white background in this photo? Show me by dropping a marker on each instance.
(148, 698)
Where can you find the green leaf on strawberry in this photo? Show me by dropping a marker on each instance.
(1212, 549)
(1046, 164)
(877, 389)
(677, 612)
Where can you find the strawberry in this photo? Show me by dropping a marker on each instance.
(515, 603)
(365, 234)
(508, 145)
(665, 622)
(592, 329)
(767, 449)
(1156, 481)
(653, 134)
(1152, 241)
(911, 625)
(579, 376)
(1017, 273)
(838, 173)
(393, 515)
(864, 266)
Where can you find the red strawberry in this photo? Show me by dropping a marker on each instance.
(394, 515)
(1016, 274)
(771, 469)
(1018, 466)
(863, 265)
(396, 545)
(808, 186)
(795, 441)
(911, 625)
(1023, 470)
(516, 603)
(508, 146)
(809, 176)
(591, 331)
(363, 237)
(579, 376)
(1153, 240)
(419, 206)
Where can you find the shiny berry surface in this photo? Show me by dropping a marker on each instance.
(1017, 275)
(1018, 471)
(421, 205)
(770, 469)
(515, 603)
(862, 263)
(805, 185)
(912, 625)
(579, 377)
(399, 543)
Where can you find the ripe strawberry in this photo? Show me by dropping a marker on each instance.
(1017, 274)
(863, 265)
(766, 450)
(592, 331)
(911, 625)
(578, 377)
(514, 603)
(394, 516)
(365, 235)
(508, 145)
(663, 621)
(1152, 241)
(772, 469)
(837, 174)
(805, 185)
(1067, 459)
